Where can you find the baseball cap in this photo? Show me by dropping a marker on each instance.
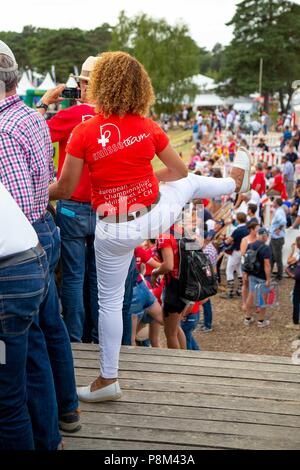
(4, 49)
(220, 222)
(263, 231)
(87, 68)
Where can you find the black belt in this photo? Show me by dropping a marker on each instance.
(117, 218)
(21, 257)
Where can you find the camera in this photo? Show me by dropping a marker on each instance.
(71, 93)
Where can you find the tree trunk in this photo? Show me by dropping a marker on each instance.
(290, 93)
(281, 101)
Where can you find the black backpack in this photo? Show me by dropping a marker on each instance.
(197, 280)
(251, 264)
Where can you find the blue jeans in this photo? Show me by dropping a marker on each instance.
(188, 325)
(52, 325)
(207, 312)
(129, 284)
(77, 223)
(28, 407)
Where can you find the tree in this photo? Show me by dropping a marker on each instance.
(40, 48)
(268, 30)
(168, 53)
(212, 62)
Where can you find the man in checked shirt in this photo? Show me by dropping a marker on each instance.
(26, 169)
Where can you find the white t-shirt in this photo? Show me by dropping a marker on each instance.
(16, 232)
(255, 199)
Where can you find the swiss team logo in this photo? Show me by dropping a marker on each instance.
(107, 132)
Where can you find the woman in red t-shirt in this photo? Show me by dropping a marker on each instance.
(118, 145)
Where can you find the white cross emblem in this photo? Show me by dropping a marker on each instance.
(103, 141)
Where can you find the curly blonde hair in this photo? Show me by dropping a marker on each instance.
(119, 84)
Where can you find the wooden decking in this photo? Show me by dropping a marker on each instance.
(184, 400)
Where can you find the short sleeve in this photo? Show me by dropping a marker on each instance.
(235, 234)
(76, 143)
(164, 242)
(266, 253)
(143, 255)
(160, 138)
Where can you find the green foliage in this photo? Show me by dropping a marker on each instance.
(267, 29)
(212, 62)
(168, 53)
(39, 48)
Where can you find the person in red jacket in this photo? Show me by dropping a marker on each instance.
(259, 182)
(75, 217)
(278, 188)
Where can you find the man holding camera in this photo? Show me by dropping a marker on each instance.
(75, 216)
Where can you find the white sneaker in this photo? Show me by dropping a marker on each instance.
(263, 324)
(248, 321)
(243, 162)
(109, 393)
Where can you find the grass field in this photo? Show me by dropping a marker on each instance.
(178, 139)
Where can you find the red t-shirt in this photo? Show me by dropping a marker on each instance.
(118, 151)
(153, 254)
(232, 147)
(169, 241)
(61, 126)
(279, 186)
(142, 256)
(259, 179)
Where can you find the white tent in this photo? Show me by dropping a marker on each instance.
(47, 84)
(208, 100)
(71, 83)
(24, 85)
(244, 106)
(204, 83)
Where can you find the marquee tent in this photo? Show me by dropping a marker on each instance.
(47, 83)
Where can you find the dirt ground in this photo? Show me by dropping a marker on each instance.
(230, 335)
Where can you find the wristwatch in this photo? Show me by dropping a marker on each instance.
(40, 105)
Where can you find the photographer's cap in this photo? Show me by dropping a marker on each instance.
(5, 50)
(87, 68)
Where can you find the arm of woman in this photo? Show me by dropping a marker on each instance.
(69, 179)
(165, 267)
(153, 263)
(244, 245)
(175, 167)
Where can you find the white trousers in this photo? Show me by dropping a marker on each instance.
(114, 246)
(234, 263)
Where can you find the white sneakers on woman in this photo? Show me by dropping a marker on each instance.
(109, 393)
(242, 162)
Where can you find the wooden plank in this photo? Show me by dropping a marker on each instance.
(225, 356)
(204, 389)
(83, 443)
(224, 441)
(197, 362)
(212, 401)
(174, 424)
(194, 370)
(188, 412)
(202, 379)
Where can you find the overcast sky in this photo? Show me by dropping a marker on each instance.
(205, 18)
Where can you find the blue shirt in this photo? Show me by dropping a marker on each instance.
(279, 220)
(288, 171)
(238, 234)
